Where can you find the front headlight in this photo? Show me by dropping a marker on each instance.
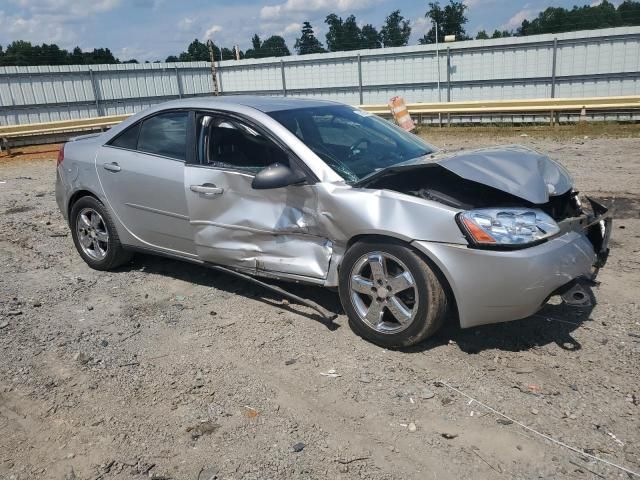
(508, 227)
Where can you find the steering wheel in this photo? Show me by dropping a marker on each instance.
(353, 149)
(334, 162)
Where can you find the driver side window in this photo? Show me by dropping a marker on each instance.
(228, 143)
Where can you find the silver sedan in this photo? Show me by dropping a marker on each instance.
(327, 194)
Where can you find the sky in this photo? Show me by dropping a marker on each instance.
(153, 29)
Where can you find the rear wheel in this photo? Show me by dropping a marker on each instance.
(95, 235)
(391, 295)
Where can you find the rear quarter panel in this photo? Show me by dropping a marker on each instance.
(78, 172)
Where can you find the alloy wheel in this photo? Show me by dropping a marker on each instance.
(383, 292)
(93, 235)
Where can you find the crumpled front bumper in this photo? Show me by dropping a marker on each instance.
(496, 286)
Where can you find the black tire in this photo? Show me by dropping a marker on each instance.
(116, 255)
(432, 299)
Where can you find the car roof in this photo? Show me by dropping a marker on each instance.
(262, 103)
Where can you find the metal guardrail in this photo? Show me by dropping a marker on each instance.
(533, 106)
(9, 132)
(520, 106)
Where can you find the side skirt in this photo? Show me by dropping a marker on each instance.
(324, 313)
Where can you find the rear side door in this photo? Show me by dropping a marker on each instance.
(142, 174)
(261, 231)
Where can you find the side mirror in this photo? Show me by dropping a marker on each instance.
(276, 176)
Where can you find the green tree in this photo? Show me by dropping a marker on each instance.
(396, 30)
(308, 43)
(501, 34)
(197, 52)
(450, 21)
(343, 34)
(99, 56)
(172, 59)
(629, 12)
(588, 17)
(19, 53)
(255, 51)
(227, 53)
(274, 46)
(369, 37)
(482, 35)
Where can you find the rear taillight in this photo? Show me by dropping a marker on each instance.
(60, 155)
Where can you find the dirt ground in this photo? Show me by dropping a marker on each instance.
(168, 370)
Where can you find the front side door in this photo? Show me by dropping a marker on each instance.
(256, 230)
(142, 175)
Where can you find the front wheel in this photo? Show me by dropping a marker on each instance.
(391, 295)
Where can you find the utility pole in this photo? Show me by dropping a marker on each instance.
(438, 65)
(214, 75)
(438, 62)
(237, 52)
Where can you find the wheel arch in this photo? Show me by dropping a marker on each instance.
(428, 257)
(77, 195)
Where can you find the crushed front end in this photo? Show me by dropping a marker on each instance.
(525, 241)
(493, 285)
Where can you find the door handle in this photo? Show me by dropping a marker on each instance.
(112, 167)
(207, 190)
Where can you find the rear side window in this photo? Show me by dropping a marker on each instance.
(128, 139)
(165, 134)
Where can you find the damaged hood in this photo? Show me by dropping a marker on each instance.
(514, 169)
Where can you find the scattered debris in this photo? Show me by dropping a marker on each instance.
(82, 358)
(547, 437)
(298, 447)
(331, 373)
(504, 421)
(130, 364)
(497, 469)
(427, 394)
(291, 361)
(208, 473)
(449, 436)
(4, 325)
(250, 412)
(523, 370)
(204, 428)
(412, 427)
(618, 441)
(346, 461)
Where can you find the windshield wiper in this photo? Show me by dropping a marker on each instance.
(381, 170)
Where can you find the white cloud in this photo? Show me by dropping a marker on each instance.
(308, 6)
(292, 28)
(187, 24)
(69, 7)
(211, 31)
(37, 28)
(51, 21)
(516, 20)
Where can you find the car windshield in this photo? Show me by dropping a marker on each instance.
(352, 142)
